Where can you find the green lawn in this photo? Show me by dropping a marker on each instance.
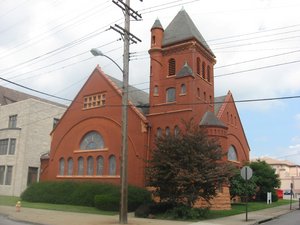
(239, 208)
(236, 208)
(11, 201)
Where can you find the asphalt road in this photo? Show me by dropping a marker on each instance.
(5, 221)
(292, 218)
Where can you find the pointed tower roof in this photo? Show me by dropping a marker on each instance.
(183, 28)
(186, 70)
(157, 24)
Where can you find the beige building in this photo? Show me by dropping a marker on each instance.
(25, 125)
(289, 173)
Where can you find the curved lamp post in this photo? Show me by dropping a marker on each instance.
(124, 150)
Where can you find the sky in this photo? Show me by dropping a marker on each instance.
(44, 45)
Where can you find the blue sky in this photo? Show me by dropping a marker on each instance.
(45, 45)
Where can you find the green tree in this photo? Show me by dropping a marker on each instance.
(239, 187)
(186, 167)
(265, 179)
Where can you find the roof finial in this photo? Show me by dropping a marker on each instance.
(182, 9)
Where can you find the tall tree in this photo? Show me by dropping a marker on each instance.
(265, 178)
(186, 166)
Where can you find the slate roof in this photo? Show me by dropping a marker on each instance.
(157, 24)
(210, 119)
(183, 28)
(219, 102)
(186, 70)
(8, 96)
(139, 98)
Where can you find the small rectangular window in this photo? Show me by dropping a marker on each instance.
(171, 95)
(2, 170)
(12, 123)
(3, 146)
(8, 175)
(12, 146)
(32, 175)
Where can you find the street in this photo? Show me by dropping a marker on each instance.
(292, 218)
(5, 221)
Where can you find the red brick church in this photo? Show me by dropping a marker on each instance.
(86, 142)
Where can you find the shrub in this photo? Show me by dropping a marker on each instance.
(136, 197)
(187, 213)
(83, 193)
(107, 202)
(143, 211)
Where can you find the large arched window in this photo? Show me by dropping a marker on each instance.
(80, 166)
(70, 166)
(90, 166)
(61, 167)
(92, 140)
(172, 67)
(100, 165)
(231, 154)
(171, 95)
(112, 165)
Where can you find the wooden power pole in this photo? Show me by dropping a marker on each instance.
(127, 36)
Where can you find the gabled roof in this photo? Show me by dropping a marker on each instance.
(8, 96)
(186, 70)
(183, 28)
(210, 119)
(139, 98)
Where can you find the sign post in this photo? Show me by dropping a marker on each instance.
(246, 173)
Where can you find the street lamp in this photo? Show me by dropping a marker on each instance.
(97, 52)
(124, 150)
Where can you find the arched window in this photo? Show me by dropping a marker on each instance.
(203, 70)
(80, 166)
(183, 89)
(158, 132)
(198, 66)
(112, 165)
(100, 165)
(176, 131)
(61, 167)
(70, 166)
(231, 154)
(208, 74)
(171, 95)
(155, 92)
(90, 166)
(92, 140)
(172, 67)
(168, 131)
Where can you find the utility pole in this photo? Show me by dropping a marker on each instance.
(127, 36)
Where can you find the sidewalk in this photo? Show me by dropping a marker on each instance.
(50, 217)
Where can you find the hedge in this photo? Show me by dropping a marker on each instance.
(84, 193)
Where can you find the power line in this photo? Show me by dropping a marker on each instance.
(256, 59)
(257, 68)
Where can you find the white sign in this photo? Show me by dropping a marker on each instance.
(246, 172)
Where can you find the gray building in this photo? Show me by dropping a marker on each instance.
(26, 122)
